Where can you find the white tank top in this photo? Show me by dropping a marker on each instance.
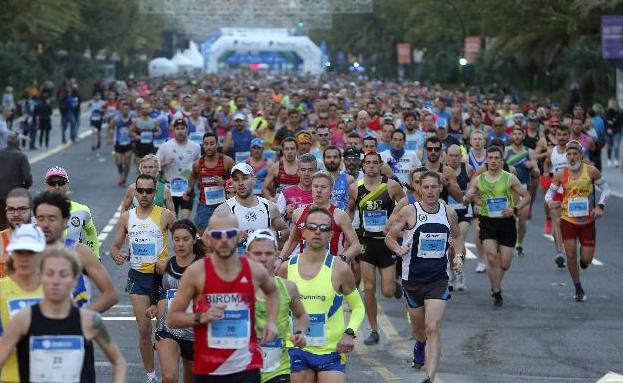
(559, 160)
(145, 239)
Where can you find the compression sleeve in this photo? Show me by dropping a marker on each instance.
(605, 190)
(549, 196)
(91, 237)
(358, 311)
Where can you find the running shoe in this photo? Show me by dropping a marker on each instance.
(497, 299)
(548, 226)
(151, 380)
(121, 181)
(398, 291)
(460, 282)
(560, 261)
(419, 354)
(427, 380)
(579, 296)
(373, 338)
(481, 267)
(519, 250)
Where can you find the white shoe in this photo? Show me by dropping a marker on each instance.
(609, 163)
(460, 282)
(481, 267)
(616, 163)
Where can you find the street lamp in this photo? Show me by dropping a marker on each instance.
(462, 61)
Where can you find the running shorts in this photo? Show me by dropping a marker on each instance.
(301, 360)
(375, 252)
(584, 233)
(503, 230)
(186, 346)
(417, 293)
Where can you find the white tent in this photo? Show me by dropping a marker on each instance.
(258, 39)
(183, 64)
(162, 66)
(193, 55)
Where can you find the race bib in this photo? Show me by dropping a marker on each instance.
(374, 220)
(144, 252)
(495, 206)
(56, 359)
(432, 245)
(231, 332)
(95, 117)
(197, 137)
(577, 207)
(170, 295)
(214, 195)
(124, 137)
(147, 137)
(456, 205)
(178, 186)
(271, 354)
(317, 330)
(15, 305)
(242, 156)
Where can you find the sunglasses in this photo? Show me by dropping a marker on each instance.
(60, 182)
(323, 134)
(145, 190)
(433, 149)
(323, 227)
(226, 233)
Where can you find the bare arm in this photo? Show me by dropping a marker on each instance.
(344, 222)
(269, 180)
(120, 233)
(168, 199)
(293, 239)
(271, 299)
(450, 183)
(194, 175)
(110, 349)
(13, 332)
(395, 190)
(352, 197)
(97, 273)
(177, 316)
(395, 230)
(278, 223)
(228, 144)
(127, 198)
(296, 307)
(523, 193)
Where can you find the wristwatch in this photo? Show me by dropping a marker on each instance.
(601, 206)
(515, 210)
(197, 319)
(351, 332)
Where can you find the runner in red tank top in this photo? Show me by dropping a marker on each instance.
(222, 288)
(344, 240)
(278, 178)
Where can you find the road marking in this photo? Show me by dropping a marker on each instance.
(468, 253)
(611, 377)
(102, 363)
(121, 319)
(110, 225)
(59, 148)
(595, 262)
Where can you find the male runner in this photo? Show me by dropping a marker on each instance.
(522, 159)
(578, 210)
(262, 248)
(492, 192)
(81, 228)
(557, 162)
(324, 282)
(322, 184)
(221, 289)
(400, 160)
(177, 157)
(433, 163)
(252, 212)
(299, 195)
(376, 199)
(238, 139)
(414, 136)
(149, 165)
(211, 171)
(284, 172)
(260, 165)
(18, 212)
(428, 226)
(119, 136)
(477, 158)
(146, 227)
(344, 186)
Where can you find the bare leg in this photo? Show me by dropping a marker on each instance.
(140, 303)
(433, 312)
(368, 273)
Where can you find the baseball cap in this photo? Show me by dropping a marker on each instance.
(441, 123)
(347, 118)
(180, 121)
(27, 237)
(257, 142)
(243, 168)
(56, 171)
(573, 144)
(261, 234)
(239, 116)
(518, 115)
(304, 137)
(388, 116)
(352, 151)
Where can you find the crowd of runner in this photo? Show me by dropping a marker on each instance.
(263, 209)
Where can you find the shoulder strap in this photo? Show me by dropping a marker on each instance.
(374, 194)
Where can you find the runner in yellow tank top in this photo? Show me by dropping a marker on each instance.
(578, 210)
(22, 288)
(323, 282)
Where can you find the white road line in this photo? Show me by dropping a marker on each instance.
(59, 148)
(595, 262)
(119, 318)
(110, 225)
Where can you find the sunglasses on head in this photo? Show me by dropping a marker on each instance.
(145, 190)
(57, 182)
(323, 227)
(433, 148)
(225, 233)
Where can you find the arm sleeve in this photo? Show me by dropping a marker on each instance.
(91, 236)
(358, 310)
(605, 190)
(551, 191)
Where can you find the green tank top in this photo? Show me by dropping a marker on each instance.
(276, 359)
(323, 304)
(494, 196)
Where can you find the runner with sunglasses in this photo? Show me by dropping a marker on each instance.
(149, 165)
(146, 227)
(222, 288)
(376, 198)
(173, 344)
(324, 282)
(434, 163)
(81, 228)
(262, 248)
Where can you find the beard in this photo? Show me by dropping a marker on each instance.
(332, 166)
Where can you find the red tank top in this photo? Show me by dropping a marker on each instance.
(284, 179)
(206, 175)
(4, 255)
(239, 296)
(336, 235)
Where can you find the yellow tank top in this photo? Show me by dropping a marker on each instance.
(323, 304)
(12, 299)
(578, 197)
(148, 240)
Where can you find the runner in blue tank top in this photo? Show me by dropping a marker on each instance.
(238, 140)
(344, 187)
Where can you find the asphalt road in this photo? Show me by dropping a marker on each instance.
(540, 335)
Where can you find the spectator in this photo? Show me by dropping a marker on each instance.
(8, 101)
(14, 172)
(43, 117)
(4, 127)
(614, 122)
